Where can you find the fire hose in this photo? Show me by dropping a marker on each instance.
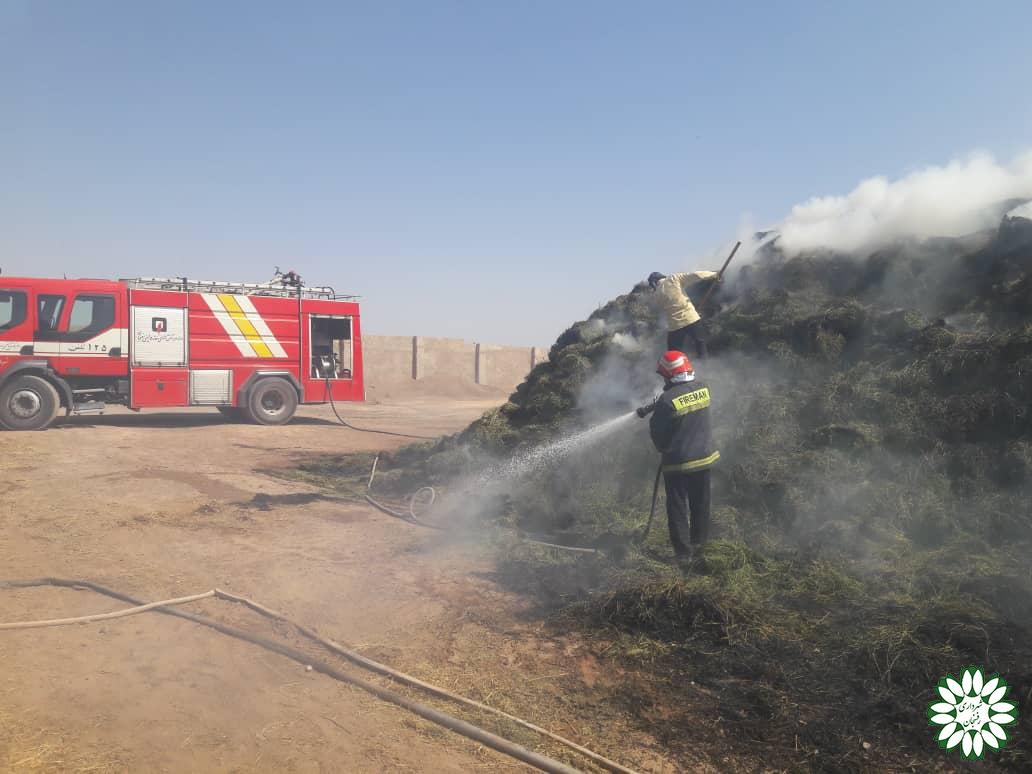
(407, 512)
(329, 395)
(652, 508)
(643, 412)
(501, 744)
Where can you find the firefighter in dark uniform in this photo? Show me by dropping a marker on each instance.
(680, 429)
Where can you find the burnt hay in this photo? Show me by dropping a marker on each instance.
(873, 506)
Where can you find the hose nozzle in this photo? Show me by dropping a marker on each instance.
(647, 409)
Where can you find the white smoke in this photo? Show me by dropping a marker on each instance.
(959, 198)
(628, 343)
(594, 328)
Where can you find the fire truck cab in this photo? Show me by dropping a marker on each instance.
(252, 351)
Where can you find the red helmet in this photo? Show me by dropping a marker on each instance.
(673, 363)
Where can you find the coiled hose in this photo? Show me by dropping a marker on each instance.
(407, 512)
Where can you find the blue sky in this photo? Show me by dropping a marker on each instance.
(490, 170)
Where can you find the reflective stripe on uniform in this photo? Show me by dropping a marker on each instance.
(690, 465)
(691, 401)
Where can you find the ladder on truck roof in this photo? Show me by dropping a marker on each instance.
(282, 290)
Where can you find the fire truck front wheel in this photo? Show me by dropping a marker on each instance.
(28, 403)
(271, 401)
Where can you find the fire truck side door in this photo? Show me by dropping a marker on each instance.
(46, 338)
(92, 336)
(81, 333)
(15, 321)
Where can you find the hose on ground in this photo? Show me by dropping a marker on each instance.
(470, 731)
(333, 647)
(375, 666)
(329, 395)
(560, 546)
(105, 616)
(410, 515)
(639, 540)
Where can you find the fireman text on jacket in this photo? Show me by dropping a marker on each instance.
(691, 401)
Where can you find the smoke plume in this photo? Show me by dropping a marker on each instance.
(964, 196)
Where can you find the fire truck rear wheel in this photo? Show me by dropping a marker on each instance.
(28, 403)
(272, 401)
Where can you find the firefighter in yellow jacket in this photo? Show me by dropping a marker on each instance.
(683, 321)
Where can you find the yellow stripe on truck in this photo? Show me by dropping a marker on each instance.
(246, 327)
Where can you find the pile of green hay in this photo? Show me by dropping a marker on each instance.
(873, 508)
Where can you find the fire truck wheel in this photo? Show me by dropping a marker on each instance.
(272, 401)
(28, 403)
(232, 413)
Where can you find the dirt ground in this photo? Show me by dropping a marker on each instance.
(159, 505)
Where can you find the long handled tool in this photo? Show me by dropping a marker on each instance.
(720, 275)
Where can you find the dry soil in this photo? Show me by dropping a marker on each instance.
(159, 505)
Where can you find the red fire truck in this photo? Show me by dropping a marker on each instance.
(253, 351)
